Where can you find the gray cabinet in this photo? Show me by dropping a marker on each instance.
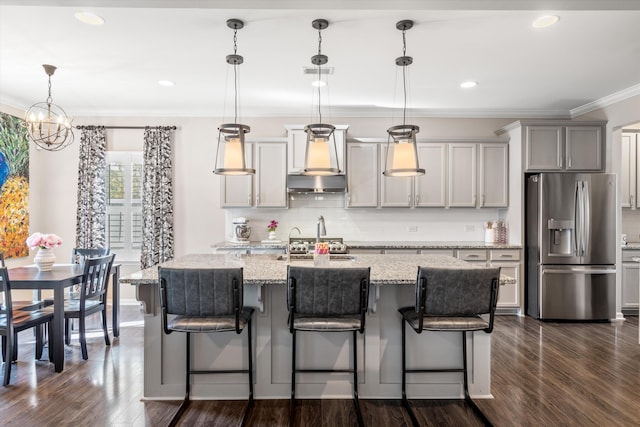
(462, 175)
(269, 181)
(630, 289)
(362, 175)
(569, 146)
(630, 176)
(509, 261)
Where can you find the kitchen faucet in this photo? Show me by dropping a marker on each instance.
(289, 243)
(320, 229)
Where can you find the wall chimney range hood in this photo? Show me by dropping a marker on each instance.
(316, 184)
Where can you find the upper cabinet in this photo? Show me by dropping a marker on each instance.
(457, 174)
(297, 142)
(629, 181)
(566, 146)
(362, 175)
(269, 182)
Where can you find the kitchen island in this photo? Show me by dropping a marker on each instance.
(392, 286)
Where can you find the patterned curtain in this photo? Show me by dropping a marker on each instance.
(157, 197)
(92, 207)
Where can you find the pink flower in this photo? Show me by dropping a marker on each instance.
(272, 225)
(43, 241)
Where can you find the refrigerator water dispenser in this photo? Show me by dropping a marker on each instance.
(560, 237)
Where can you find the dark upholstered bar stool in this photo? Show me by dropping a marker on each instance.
(451, 300)
(205, 300)
(327, 300)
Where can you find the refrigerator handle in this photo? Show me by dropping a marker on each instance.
(576, 219)
(586, 226)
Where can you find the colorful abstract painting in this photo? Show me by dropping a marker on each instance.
(14, 187)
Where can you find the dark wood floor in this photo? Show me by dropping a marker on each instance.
(544, 374)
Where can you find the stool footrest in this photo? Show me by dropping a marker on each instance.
(325, 370)
(222, 371)
(408, 371)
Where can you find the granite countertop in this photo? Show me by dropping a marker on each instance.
(268, 269)
(428, 245)
(380, 245)
(276, 244)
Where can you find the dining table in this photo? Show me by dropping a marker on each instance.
(60, 277)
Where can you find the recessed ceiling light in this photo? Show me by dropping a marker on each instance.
(545, 21)
(318, 83)
(89, 18)
(468, 84)
(167, 83)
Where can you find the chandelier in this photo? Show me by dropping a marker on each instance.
(47, 123)
(231, 144)
(402, 153)
(319, 159)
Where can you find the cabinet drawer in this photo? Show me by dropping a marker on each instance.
(472, 254)
(504, 255)
(448, 252)
(627, 255)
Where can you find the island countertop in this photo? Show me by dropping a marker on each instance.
(271, 269)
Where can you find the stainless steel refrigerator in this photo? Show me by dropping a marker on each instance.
(570, 246)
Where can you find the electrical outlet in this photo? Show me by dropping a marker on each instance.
(412, 228)
(469, 228)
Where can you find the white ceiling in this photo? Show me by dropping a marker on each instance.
(591, 55)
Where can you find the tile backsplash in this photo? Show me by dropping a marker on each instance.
(389, 224)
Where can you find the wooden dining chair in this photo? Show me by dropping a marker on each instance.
(450, 300)
(92, 299)
(24, 305)
(327, 300)
(14, 320)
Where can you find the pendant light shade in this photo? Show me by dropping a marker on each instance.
(402, 151)
(230, 153)
(321, 155)
(48, 126)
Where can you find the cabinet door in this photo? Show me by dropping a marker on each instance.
(297, 141)
(494, 175)
(430, 188)
(509, 295)
(395, 191)
(630, 285)
(362, 175)
(236, 191)
(462, 175)
(271, 175)
(628, 178)
(584, 148)
(543, 148)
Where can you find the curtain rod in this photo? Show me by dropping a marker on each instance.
(126, 127)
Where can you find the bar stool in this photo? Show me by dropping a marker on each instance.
(450, 300)
(205, 300)
(327, 300)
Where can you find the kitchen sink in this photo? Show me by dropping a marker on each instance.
(309, 257)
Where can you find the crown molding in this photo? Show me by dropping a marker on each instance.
(605, 101)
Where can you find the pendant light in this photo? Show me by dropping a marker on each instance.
(47, 123)
(402, 152)
(321, 138)
(231, 148)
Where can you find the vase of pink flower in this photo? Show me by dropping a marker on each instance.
(271, 228)
(45, 258)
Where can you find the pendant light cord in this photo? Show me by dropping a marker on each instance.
(404, 78)
(319, 74)
(235, 76)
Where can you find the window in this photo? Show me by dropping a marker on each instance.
(124, 204)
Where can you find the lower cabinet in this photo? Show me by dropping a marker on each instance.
(630, 289)
(509, 261)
